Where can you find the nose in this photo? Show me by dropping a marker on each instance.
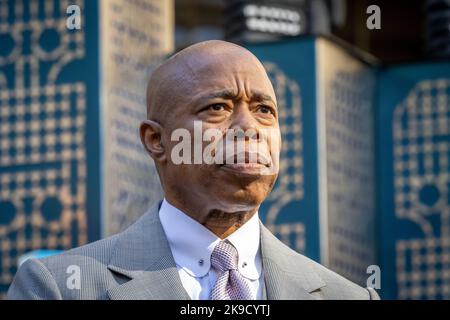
(244, 124)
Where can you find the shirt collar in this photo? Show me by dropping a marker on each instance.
(192, 244)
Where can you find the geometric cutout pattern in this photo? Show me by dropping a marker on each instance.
(350, 173)
(42, 133)
(421, 131)
(290, 184)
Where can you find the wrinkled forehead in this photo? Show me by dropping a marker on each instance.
(235, 71)
(211, 70)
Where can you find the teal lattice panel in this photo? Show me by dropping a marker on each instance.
(48, 109)
(414, 170)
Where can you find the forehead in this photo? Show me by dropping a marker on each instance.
(235, 70)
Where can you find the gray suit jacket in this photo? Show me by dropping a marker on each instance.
(138, 264)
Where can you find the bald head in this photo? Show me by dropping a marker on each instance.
(194, 68)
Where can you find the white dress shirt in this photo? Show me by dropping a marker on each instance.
(192, 244)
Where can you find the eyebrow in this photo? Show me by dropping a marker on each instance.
(231, 95)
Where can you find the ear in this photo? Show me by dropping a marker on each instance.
(151, 137)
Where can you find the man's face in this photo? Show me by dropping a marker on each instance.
(229, 94)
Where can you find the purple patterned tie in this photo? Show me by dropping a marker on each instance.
(230, 284)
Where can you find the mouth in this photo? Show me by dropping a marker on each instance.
(246, 163)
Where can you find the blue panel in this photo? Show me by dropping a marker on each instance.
(413, 139)
(49, 133)
(291, 211)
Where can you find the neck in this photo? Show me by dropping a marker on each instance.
(221, 223)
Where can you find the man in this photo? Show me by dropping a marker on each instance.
(204, 240)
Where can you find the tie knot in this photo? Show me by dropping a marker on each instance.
(224, 257)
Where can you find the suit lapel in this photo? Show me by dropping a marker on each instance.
(143, 256)
(287, 275)
(162, 284)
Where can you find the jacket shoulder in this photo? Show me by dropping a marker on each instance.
(336, 286)
(50, 277)
(339, 287)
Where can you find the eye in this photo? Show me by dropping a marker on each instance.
(216, 107)
(266, 109)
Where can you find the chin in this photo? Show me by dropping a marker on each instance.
(235, 199)
(235, 192)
